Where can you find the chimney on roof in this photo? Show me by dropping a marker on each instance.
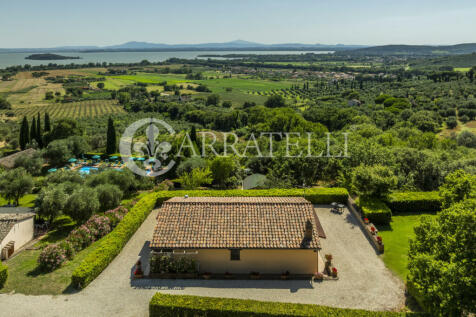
(308, 231)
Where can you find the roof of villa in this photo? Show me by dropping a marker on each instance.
(236, 222)
(9, 161)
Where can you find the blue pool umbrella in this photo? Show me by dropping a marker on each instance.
(72, 160)
(114, 157)
(96, 157)
(141, 159)
(52, 170)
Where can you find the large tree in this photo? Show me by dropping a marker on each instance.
(224, 171)
(82, 204)
(33, 130)
(47, 122)
(441, 265)
(111, 146)
(39, 131)
(374, 181)
(275, 101)
(51, 201)
(15, 183)
(24, 133)
(457, 187)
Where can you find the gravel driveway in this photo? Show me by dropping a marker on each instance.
(364, 281)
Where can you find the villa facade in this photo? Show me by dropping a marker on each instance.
(239, 235)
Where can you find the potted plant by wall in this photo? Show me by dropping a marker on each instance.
(379, 239)
(328, 264)
(285, 275)
(138, 271)
(366, 221)
(373, 230)
(207, 275)
(334, 272)
(254, 275)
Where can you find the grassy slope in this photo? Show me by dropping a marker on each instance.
(396, 238)
(24, 276)
(25, 201)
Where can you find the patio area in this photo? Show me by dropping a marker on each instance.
(364, 281)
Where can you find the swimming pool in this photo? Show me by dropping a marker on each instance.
(87, 169)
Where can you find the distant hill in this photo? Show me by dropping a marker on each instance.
(157, 47)
(413, 50)
(456, 61)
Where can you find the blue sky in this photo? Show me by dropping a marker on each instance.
(47, 23)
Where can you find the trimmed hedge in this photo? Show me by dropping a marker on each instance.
(414, 202)
(111, 245)
(375, 210)
(165, 305)
(3, 274)
(314, 195)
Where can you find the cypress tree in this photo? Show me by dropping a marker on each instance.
(193, 134)
(39, 133)
(33, 130)
(47, 122)
(24, 133)
(111, 137)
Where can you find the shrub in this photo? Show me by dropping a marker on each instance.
(168, 264)
(3, 274)
(81, 238)
(52, 257)
(314, 195)
(110, 246)
(414, 202)
(165, 305)
(68, 249)
(375, 210)
(99, 226)
(116, 215)
(109, 196)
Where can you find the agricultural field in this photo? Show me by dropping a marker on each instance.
(83, 109)
(237, 89)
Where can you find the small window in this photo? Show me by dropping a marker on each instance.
(234, 255)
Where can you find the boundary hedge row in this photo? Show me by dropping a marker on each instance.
(112, 244)
(165, 305)
(375, 210)
(314, 195)
(414, 202)
(3, 274)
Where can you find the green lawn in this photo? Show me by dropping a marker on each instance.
(25, 201)
(25, 277)
(396, 239)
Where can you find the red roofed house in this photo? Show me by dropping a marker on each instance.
(270, 235)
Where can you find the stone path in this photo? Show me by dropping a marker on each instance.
(364, 281)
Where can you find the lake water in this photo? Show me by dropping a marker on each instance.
(13, 59)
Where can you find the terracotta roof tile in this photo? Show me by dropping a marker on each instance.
(235, 222)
